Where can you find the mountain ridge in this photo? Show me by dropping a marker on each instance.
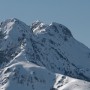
(49, 49)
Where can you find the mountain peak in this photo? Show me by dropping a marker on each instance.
(8, 23)
(12, 20)
(61, 28)
(38, 27)
(38, 24)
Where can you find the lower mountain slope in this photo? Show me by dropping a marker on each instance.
(20, 74)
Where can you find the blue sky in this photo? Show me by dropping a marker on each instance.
(75, 14)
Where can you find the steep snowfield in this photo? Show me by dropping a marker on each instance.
(42, 57)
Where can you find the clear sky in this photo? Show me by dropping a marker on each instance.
(75, 14)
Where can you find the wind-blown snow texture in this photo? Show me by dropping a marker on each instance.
(42, 57)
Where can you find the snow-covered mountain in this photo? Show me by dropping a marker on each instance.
(42, 57)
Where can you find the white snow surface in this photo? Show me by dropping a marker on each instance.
(42, 57)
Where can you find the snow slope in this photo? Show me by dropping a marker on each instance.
(42, 57)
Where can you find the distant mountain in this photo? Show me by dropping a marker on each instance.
(42, 57)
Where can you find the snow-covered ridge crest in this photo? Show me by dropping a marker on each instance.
(36, 26)
(41, 56)
(39, 27)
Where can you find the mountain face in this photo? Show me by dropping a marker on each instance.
(42, 57)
